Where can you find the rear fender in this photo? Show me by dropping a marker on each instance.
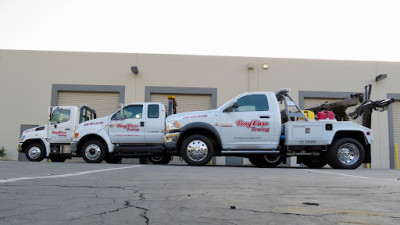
(360, 137)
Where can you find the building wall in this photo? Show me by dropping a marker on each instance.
(26, 79)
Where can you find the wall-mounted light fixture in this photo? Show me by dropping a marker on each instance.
(380, 77)
(135, 69)
(265, 66)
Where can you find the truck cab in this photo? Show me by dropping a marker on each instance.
(250, 123)
(53, 140)
(135, 130)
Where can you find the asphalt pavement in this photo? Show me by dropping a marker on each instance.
(80, 193)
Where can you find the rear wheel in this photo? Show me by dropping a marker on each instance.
(160, 159)
(346, 153)
(266, 161)
(255, 161)
(35, 152)
(57, 158)
(94, 151)
(197, 150)
(314, 161)
(110, 158)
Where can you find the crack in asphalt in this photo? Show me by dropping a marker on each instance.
(291, 214)
(145, 210)
(128, 204)
(318, 215)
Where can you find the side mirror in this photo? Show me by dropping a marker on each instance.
(119, 117)
(50, 112)
(121, 110)
(234, 106)
(120, 114)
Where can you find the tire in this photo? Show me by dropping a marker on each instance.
(93, 151)
(314, 162)
(113, 159)
(160, 159)
(266, 161)
(35, 152)
(197, 150)
(57, 158)
(346, 153)
(255, 161)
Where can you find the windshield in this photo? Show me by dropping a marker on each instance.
(60, 116)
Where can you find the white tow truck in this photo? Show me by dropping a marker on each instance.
(135, 130)
(253, 125)
(53, 140)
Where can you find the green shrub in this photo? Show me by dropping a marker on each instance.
(2, 152)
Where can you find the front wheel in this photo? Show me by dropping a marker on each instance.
(35, 152)
(94, 151)
(346, 153)
(160, 159)
(197, 150)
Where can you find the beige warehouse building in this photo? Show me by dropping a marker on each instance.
(31, 81)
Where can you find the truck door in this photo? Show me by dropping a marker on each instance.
(248, 125)
(128, 129)
(61, 126)
(154, 124)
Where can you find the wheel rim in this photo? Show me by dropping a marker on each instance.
(272, 158)
(34, 152)
(348, 154)
(197, 150)
(92, 152)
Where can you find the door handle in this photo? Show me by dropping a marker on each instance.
(264, 117)
(66, 128)
(142, 124)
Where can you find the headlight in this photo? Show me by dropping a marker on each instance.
(22, 138)
(173, 126)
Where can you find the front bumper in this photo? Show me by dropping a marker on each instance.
(171, 140)
(74, 146)
(19, 147)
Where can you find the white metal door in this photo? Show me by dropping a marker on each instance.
(130, 128)
(154, 124)
(61, 126)
(250, 126)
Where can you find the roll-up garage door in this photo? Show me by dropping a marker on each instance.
(396, 127)
(310, 102)
(186, 102)
(104, 103)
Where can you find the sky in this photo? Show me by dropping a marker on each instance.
(313, 29)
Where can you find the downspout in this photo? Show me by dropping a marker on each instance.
(250, 68)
